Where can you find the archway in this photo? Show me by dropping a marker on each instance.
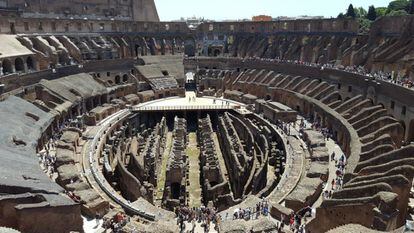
(216, 52)
(19, 64)
(190, 47)
(175, 190)
(7, 66)
(137, 50)
(30, 63)
(125, 78)
(117, 79)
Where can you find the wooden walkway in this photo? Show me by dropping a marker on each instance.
(161, 176)
(194, 187)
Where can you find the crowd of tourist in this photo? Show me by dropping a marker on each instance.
(116, 223)
(47, 159)
(203, 215)
(297, 221)
(397, 79)
(47, 156)
(249, 213)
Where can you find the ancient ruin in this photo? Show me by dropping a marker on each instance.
(110, 116)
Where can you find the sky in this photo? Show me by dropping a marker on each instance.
(245, 9)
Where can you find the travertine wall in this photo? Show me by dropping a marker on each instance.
(136, 10)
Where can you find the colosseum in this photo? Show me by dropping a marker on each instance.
(113, 121)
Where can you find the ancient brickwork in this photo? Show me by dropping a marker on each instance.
(177, 168)
(216, 186)
(355, 138)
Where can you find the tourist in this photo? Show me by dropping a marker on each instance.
(97, 220)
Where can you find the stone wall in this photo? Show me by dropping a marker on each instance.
(395, 99)
(136, 10)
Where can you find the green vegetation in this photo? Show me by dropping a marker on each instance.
(351, 12)
(365, 18)
(372, 13)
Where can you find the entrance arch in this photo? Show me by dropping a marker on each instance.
(19, 64)
(30, 63)
(125, 78)
(117, 79)
(7, 66)
(216, 52)
(190, 47)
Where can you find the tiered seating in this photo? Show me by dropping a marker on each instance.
(361, 129)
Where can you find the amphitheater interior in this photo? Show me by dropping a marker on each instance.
(112, 117)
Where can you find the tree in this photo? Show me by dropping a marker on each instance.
(350, 12)
(411, 7)
(372, 13)
(341, 16)
(381, 11)
(398, 13)
(360, 12)
(364, 25)
(398, 5)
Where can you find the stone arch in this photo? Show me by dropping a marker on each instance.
(216, 52)
(139, 46)
(117, 79)
(7, 66)
(30, 63)
(175, 190)
(178, 44)
(125, 78)
(19, 64)
(190, 47)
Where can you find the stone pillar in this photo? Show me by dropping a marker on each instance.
(99, 101)
(25, 69)
(79, 109)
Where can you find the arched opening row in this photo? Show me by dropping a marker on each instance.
(18, 65)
